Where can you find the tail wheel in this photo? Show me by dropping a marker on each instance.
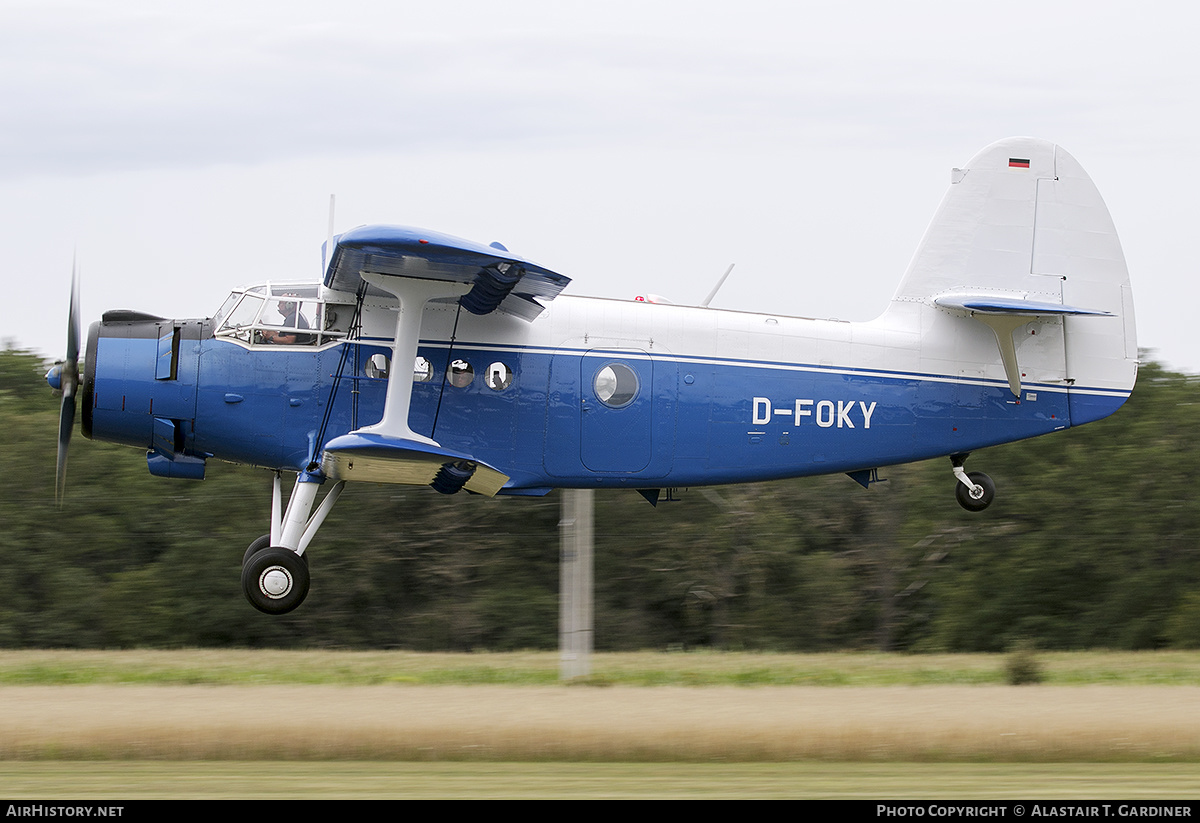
(275, 580)
(977, 497)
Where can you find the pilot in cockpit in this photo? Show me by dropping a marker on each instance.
(289, 308)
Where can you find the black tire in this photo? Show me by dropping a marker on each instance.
(975, 504)
(275, 580)
(260, 544)
(255, 547)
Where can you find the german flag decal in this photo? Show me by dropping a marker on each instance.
(1018, 163)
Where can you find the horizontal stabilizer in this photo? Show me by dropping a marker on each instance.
(1003, 304)
(499, 279)
(375, 458)
(1004, 314)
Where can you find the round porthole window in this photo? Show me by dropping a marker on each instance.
(616, 385)
(377, 366)
(422, 370)
(499, 376)
(461, 374)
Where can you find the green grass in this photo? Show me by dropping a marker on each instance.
(296, 781)
(247, 667)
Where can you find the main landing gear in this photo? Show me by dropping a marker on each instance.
(975, 490)
(275, 580)
(275, 575)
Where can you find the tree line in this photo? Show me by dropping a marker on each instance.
(1092, 542)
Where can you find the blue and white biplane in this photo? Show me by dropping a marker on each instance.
(423, 359)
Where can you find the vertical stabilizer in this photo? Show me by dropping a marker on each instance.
(1024, 245)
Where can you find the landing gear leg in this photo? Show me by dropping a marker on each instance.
(275, 575)
(974, 491)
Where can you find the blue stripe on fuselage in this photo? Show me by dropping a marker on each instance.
(703, 426)
(709, 420)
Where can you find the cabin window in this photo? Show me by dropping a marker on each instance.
(615, 385)
(422, 370)
(377, 366)
(461, 374)
(498, 377)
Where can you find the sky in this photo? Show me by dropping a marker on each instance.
(177, 150)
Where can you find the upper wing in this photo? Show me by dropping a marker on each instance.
(499, 279)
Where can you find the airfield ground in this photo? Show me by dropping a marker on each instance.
(330, 724)
(614, 724)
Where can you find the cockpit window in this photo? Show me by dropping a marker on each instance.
(240, 323)
(283, 314)
(288, 320)
(226, 307)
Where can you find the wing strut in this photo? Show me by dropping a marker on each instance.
(390, 451)
(413, 294)
(1003, 326)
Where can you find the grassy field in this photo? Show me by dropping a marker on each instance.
(195, 723)
(123, 780)
(268, 667)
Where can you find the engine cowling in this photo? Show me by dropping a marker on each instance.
(139, 387)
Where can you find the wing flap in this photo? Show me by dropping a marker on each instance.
(377, 458)
(499, 279)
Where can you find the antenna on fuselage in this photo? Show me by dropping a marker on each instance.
(717, 287)
(328, 250)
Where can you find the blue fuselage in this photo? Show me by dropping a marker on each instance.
(532, 403)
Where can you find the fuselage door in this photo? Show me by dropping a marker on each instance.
(616, 411)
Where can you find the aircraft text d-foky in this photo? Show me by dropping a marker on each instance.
(827, 414)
